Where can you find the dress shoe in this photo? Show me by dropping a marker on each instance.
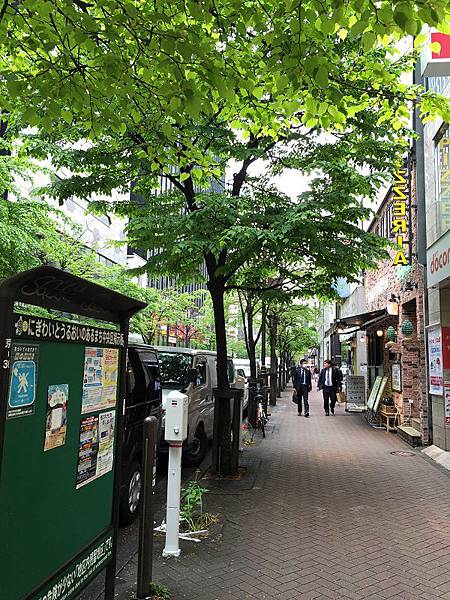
(307, 415)
(327, 414)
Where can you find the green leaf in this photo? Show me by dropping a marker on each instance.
(321, 76)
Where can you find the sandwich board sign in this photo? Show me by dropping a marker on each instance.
(61, 393)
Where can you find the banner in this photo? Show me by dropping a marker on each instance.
(435, 367)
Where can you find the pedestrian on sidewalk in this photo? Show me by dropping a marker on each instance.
(330, 382)
(302, 383)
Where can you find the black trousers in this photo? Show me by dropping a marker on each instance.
(302, 395)
(329, 398)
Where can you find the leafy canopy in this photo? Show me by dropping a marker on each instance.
(130, 66)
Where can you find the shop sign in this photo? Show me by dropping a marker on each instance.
(435, 62)
(447, 403)
(438, 260)
(435, 366)
(399, 223)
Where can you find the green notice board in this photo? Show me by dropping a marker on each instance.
(48, 513)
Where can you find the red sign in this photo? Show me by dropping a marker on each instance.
(436, 64)
(444, 40)
(446, 347)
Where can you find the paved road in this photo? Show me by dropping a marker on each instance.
(326, 511)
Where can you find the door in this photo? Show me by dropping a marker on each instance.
(200, 397)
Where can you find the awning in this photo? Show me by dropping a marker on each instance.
(354, 323)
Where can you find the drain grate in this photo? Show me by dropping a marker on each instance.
(402, 453)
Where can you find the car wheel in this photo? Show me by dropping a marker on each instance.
(197, 451)
(131, 494)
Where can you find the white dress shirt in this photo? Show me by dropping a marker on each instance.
(328, 377)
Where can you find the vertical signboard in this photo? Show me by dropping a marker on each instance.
(446, 365)
(435, 366)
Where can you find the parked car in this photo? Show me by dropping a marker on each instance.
(193, 372)
(143, 399)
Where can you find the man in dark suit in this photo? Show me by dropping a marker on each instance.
(302, 383)
(330, 382)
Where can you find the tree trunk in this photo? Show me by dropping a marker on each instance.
(3, 151)
(222, 444)
(273, 361)
(263, 335)
(251, 346)
(283, 370)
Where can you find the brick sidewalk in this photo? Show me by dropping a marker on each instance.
(331, 514)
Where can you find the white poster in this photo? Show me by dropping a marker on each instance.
(435, 368)
(106, 442)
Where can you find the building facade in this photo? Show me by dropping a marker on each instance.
(395, 291)
(436, 188)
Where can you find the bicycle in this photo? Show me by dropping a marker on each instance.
(262, 417)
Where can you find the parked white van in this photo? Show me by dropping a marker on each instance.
(177, 369)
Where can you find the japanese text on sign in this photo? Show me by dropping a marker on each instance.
(72, 580)
(47, 329)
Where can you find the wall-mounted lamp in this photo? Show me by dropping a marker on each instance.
(362, 339)
(340, 327)
(392, 305)
(380, 332)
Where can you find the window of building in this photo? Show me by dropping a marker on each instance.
(442, 166)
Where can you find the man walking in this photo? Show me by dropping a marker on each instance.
(302, 383)
(330, 382)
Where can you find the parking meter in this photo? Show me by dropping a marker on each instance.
(176, 417)
(175, 433)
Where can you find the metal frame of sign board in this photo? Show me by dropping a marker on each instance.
(51, 288)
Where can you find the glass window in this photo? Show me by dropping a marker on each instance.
(442, 160)
(201, 372)
(174, 368)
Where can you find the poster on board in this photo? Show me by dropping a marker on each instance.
(56, 419)
(23, 380)
(396, 377)
(99, 379)
(435, 367)
(96, 447)
(87, 450)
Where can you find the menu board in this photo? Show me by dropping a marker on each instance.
(355, 389)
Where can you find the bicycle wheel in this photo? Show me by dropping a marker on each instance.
(262, 423)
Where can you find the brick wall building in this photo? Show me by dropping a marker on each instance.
(399, 288)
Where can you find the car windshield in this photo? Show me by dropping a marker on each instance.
(174, 368)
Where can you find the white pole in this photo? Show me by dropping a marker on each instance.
(173, 502)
